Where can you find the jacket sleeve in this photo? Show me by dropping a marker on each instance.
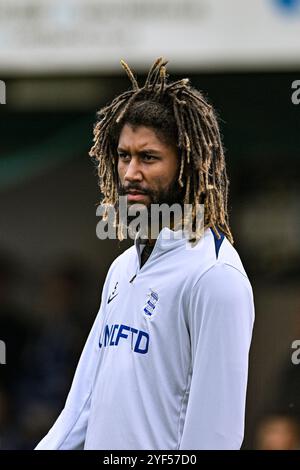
(69, 430)
(220, 318)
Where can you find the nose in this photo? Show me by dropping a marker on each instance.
(133, 171)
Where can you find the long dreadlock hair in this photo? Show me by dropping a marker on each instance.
(202, 172)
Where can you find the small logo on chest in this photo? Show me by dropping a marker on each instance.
(152, 299)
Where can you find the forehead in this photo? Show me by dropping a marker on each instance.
(142, 137)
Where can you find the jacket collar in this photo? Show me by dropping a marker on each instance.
(167, 239)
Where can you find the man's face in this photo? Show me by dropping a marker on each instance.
(147, 167)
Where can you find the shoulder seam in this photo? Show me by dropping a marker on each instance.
(237, 269)
(218, 263)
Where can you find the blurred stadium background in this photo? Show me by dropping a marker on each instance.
(60, 63)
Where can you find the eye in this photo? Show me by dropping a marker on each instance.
(148, 157)
(123, 156)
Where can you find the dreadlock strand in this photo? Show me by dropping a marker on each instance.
(152, 70)
(157, 77)
(179, 84)
(194, 132)
(202, 136)
(127, 69)
(198, 98)
(187, 192)
(127, 105)
(180, 182)
(178, 118)
(163, 78)
(188, 147)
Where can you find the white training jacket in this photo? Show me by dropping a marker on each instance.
(165, 365)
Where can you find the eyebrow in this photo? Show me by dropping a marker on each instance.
(141, 152)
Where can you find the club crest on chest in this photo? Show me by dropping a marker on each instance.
(151, 302)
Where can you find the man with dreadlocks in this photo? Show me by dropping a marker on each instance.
(165, 365)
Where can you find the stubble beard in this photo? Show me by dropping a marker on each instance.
(173, 194)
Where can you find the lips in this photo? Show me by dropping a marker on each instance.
(133, 191)
(135, 195)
